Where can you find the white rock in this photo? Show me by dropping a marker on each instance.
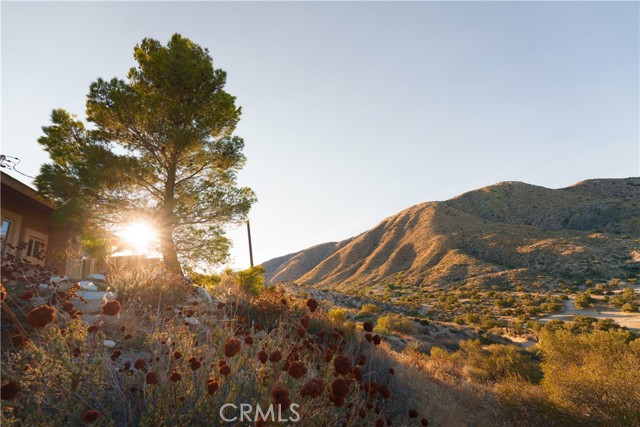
(203, 295)
(109, 343)
(85, 285)
(43, 286)
(97, 277)
(58, 279)
(110, 296)
(192, 321)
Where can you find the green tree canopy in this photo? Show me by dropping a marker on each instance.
(161, 147)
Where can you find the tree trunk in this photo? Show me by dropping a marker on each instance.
(167, 223)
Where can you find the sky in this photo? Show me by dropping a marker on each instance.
(355, 111)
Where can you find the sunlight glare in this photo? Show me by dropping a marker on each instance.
(140, 235)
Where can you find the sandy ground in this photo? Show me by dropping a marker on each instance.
(630, 320)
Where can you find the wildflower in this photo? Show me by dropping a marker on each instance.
(111, 308)
(76, 352)
(19, 340)
(177, 355)
(357, 373)
(297, 370)
(91, 415)
(27, 296)
(280, 396)
(175, 377)
(40, 317)
(128, 336)
(362, 413)
(10, 390)
(263, 356)
(313, 388)
(212, 386)
(275, 356)
(181, 399)
(127, 366)
(123, 328)
(232, 347)
(305, 322)
(221, 305)
(384, 391)
(115, 355)
(377, 340)
(151, 378)
(140, 364)
(379, 422)
(342, 365)
(392, 371)
(195, 303)
(340, 387)
(301, 332)
(362, 359)
(194, 364)
(413, 413)
(68, 307)
(248, 340)
(224, 370)
(92, 329)
(369, 337)
(312, 304)
(424, 422)
(169, 308)
(368, 326)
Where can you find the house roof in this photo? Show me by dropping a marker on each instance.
(24, 189)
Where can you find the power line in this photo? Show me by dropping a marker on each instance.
(10, 162)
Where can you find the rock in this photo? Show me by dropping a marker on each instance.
(57, 279)
(192, 321)
(97, 277)
(202, 295)
(109, 343)
(85, 285)
(95, 300)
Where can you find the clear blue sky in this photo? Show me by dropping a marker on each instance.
(355, 111)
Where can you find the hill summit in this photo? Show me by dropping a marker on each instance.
(508, 233)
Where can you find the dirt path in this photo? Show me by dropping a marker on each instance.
(630, 320)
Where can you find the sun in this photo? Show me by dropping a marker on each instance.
(140, 236)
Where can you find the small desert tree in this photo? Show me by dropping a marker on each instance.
(162, 147)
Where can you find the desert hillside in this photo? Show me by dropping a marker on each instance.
(506, 234)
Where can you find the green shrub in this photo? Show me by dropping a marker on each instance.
(395, 323)
(251, 280)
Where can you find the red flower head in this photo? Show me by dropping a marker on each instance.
(10, 390)
(221, 305)
(413, 413)
(392, 371)
(212, 386)
(340, 388)
(194, 364)
(19, 340)
(362, 359)
(248, 340)
(342, 365)
(27, 295)
(128, 336)
(140, 364)
(92, 329)
(115, 355)
(369, 337)
(297, 370)
(384, 391)
(305, 322)
(280, 396)
(91, 415)
(232, 347)
(111, 308)
(40, 317)
(151, 378)
(313, 388)
(424, 422)
(357, 373)
(275, 356)
(368, 326)
(377, 340)
(263, 357)
(224, 370)
(177, 355)
(312, 304)
(175, 377)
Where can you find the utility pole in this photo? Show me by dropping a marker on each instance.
(250, 248)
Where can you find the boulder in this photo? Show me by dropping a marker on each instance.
(86, 285)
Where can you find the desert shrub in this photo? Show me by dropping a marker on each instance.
(498, 361)
(395, 323)
(211, 282)
(337, 315)
(583, 301)
(593, 375)
(369, 309)
(251, 280)
(630, 307)
(149, 286)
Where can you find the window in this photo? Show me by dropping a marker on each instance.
(4, 233)
(35, 248)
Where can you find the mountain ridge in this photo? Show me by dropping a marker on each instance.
(506, 233)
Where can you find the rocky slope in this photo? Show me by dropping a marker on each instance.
(505, 234)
